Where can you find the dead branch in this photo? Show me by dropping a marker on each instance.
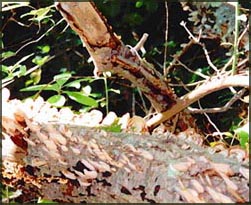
(212, 85)
(110, 54)
(224, 108)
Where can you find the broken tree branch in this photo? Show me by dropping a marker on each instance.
(224, 108)
(212, 85)
(110, 54)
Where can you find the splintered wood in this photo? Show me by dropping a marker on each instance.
(44, 155)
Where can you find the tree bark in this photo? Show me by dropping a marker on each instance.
(110, 54)
(62, 161)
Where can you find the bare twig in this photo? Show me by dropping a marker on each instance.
(242, 34)
(236, 33)
(208, 58)
(232, 57)
(197, 40)
(191, 71)
(223, 69)
(166, 38)
(224, 108)
(211, 122)
(182, 84)
(141, 42)
(38, 39)
(142, 100)
(212, 85)
(182, 23)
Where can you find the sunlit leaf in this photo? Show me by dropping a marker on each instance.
(45, 48)
(114, 90)
(81, 98)
(139, 4)
(7, 54)
(243, 133)
(36, 76)
(62, 78)
(53, 87)
(38, 14)
(5, 68)
(114, 127)
(22, 71)
(57, 100)
(45, 201)
(40, 60)
(74, 84)
(87, 90)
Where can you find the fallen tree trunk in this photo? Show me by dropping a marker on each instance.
(66, 162)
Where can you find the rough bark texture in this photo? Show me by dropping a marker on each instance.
(67, 162)
(110, 54)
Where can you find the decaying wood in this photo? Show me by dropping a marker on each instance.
(46, 154)
(110, 54)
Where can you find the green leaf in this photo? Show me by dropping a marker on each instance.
(39, 14)
(243, 133)
(40, 60)
(61, 79)
(170, 44)
(114, 127)
(7, 54)
(76, 83)
(57, 100)
(81, 98)
(53, 87)
(243, 139)
(5, 68)
(61, 76)
(87, 90)
(36, 76)
(139, 4)
(44, 49)
(22, 70)
(45, 201)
